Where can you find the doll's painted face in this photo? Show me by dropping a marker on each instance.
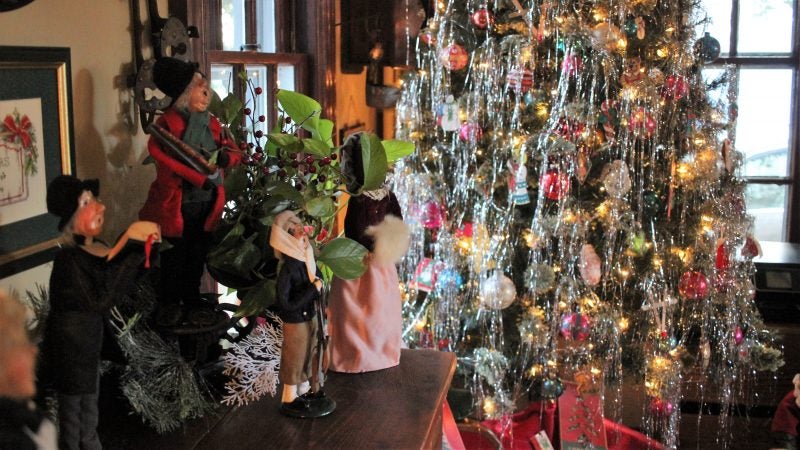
(200, 96)
(90, 216)
(296, 228)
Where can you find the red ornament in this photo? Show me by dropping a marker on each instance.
(570, 129)
(470, 132)
(575, 327)
(481, 18)
(722, 262)
(555, 184)
(453, 57)
(642, 121)
(738, 335)
(693, 285)
(520, 80)
(675, 87)
(464, 231)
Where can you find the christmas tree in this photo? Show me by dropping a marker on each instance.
(576, 205)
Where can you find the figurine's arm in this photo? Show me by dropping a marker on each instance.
(157, 152)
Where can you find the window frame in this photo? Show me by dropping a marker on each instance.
(789, 61)
(309, 35)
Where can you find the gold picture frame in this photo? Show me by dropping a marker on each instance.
(36, 145)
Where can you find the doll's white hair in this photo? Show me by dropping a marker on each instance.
(183, 101)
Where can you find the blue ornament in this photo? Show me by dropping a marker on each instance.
(449, 278)
(707, 48)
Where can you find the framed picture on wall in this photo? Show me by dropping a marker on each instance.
(36, 145)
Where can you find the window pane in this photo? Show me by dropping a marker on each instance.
(719, 14)
(765, 26)
(222, 79)
(266, 25)
(767, 204)
(233, 24)
(762, 129)
(258, 103)
(286, 77)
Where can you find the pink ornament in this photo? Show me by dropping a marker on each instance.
(431, 215)
(738, 335)
(572, 64)
(675, 88)
(590, 265)
(481, 18)
(661, 408)
(520, 80)
(453, 57)
(555, 184)
(693, 285)
(470, 132)
(575, 327)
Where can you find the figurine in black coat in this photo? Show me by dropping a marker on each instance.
(298, 291)
(87, 279)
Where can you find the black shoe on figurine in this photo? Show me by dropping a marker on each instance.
(309, 406)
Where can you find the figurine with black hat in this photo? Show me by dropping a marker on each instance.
(185, 201)
(87, 279)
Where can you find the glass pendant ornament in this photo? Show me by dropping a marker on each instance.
(707, 48)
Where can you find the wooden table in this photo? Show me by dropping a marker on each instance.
(398, 408)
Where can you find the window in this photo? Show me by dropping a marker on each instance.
(759, 40)
(285, 44)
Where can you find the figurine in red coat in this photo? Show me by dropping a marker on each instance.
(186, 202)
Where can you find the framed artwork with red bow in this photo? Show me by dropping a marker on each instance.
(36, 145)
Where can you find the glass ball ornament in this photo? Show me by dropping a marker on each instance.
(546, 388)
(431, 216)
(707, 48)
(575, 327)
(453, 57)
(470, 132)
(449, 278)
(675, 87)
(481, 18)
(693, 285)
(497, 291)
(555, 184)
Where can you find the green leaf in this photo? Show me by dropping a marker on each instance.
(316, 147)
(235, 181)
(375, 164)
(320, 207)
(258, 299)
(230, 239)
(302, 109)
(345, 257)
(283, 139)
(231, 108)
(284, 190)
(327, 273)
(240, 259)
(396, 149)
(271, 146)
(326, 131)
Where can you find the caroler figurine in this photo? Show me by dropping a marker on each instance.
(365, 313)
(187, 197)
(87, 279)
(299, 305)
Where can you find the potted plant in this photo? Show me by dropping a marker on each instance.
(293, 166)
